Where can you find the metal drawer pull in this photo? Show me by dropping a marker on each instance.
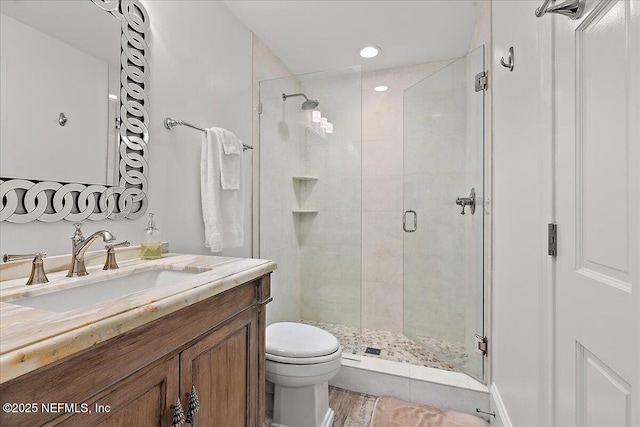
(194, 405)
(404, 221)
(178, 415)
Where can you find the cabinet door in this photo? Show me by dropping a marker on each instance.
(223, 367)
(143, 399)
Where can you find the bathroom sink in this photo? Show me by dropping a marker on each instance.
(81, 296)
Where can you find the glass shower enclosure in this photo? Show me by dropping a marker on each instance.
(444, 213)
(310, 204)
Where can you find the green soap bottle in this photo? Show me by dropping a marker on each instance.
(151, 246)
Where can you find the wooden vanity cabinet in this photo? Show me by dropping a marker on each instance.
(216, 346)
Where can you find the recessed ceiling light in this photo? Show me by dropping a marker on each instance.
(369, 51)
(380, 88)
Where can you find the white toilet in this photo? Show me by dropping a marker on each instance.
(301, 359)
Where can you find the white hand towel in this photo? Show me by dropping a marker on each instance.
(232, 215)
(210, 192)
(232, 194)
(222, 210)
(230, 159)
(230, 142)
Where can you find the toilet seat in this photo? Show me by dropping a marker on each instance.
(304, 360)
(294, 343)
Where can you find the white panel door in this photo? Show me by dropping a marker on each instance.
(597, 113)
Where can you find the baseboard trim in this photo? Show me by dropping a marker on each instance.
(503, 415)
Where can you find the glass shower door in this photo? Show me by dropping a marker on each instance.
(444, 230)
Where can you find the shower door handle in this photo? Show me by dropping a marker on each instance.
(468, 201)
(404, 221)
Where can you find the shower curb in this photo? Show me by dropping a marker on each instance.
(436, 387)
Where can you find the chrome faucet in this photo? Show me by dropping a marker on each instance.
(79, 245)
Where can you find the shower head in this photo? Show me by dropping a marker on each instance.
(308, 104)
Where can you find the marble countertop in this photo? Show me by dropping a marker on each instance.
(31, 338)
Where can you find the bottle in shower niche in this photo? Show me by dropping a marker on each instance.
(151, 246)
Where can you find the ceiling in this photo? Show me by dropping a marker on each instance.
(310, 35)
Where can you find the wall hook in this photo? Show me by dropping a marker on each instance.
(511, 62)
(62, 119)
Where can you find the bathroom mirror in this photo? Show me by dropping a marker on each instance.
(73, 113)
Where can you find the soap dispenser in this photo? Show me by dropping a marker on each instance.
(151, 246)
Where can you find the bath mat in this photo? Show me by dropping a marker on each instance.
(391, 412)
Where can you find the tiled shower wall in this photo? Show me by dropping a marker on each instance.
(330, 240)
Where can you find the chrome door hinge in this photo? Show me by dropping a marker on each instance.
(552, 239)
(481, 345)
(260, 108)
(481, 81)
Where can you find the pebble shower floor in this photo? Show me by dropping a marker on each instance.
(397, 347)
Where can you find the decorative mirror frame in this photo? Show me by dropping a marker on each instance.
(24, 200)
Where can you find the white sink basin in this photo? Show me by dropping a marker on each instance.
(81, 296)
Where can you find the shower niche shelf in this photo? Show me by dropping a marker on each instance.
(302, 185)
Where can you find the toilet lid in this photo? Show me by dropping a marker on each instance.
(290, 339)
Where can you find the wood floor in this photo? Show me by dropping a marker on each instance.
(351, 409)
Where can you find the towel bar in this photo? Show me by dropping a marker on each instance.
(170, 123)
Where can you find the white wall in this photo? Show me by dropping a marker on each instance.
(519, 337)
(200, 71)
